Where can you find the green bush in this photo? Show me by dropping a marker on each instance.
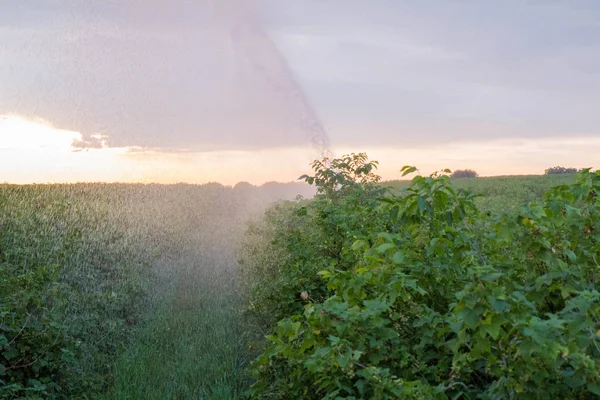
(464, 173)
(503, 194)
(283, 253)
(560, 170)
(422, 296)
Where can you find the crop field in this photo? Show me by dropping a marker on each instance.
(120, 289)
(504, 193)
(422, 290)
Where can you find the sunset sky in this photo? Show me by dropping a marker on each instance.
(229, 91)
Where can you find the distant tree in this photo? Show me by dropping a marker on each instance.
(244, 186)
(561, 170)
(464, 173)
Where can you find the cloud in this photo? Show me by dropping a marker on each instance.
(200, 76)
(92, 142)
(190, 75)
(531, 67)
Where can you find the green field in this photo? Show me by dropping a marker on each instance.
(117, 291)
(126, 290)
(504, 193)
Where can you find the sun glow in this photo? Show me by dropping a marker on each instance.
(18, 133)
(34, 151)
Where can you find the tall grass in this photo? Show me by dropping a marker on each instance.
(193, 346)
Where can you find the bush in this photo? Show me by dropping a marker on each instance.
(422, 296)
(464, 173)
(560, 170)
(283, 253)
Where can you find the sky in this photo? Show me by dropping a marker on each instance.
(253, 90)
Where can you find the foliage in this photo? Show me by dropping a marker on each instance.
(502, 194)
(71, 285)
(464, 173)
(339, 177)
(283, 253)
(83, 267)
(560, 170)
(423, 296)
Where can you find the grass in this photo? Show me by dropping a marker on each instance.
(193, 346)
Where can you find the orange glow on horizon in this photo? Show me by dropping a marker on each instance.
(33, 151)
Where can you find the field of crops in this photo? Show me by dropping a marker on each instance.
(118, 291)
(504, 193)
(101, 285)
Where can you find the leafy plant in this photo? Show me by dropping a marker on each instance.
(423, 296)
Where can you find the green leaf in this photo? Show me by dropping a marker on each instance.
(498, 305)
(398, 257)
(359, 244)
(574, 381)
(11, 353)
(374, 307)
(491, 276)
(470, 317)
(385, 247)
(594, 388)
(360, 385)
(407, 170)
(343, 359)
(494, 329)
(334, 339)
(386, 236)
(422, 205)
(324, 274)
